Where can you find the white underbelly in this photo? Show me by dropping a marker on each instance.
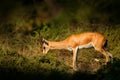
(89, 45)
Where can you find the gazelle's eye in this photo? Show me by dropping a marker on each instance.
(43, 47)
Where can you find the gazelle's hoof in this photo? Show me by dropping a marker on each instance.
(75, 68)
(111, 60)
(97, 60)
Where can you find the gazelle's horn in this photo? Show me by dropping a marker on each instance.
(40, 39)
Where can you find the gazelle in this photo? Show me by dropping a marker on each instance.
(79, 41)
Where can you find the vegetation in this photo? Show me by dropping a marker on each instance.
(20, 50)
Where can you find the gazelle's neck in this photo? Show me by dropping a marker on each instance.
(57, 45)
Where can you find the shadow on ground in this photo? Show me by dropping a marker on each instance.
(108, 72)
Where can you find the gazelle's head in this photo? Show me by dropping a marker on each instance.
(45, 46)
(44, 43)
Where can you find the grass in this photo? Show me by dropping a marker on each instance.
(23, 58)
(15, 66)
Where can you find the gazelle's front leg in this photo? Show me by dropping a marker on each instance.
(75, 58)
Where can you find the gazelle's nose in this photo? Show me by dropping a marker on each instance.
(43, 52)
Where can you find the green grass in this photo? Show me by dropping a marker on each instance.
(23, 58)
(16, 66)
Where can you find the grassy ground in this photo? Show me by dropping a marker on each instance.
(21, 58)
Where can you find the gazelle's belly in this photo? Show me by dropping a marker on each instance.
(89, 45)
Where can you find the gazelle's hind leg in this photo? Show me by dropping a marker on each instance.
(111, 57)
(98, 45)
(101, 50)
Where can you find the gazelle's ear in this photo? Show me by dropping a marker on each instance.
(45, 41)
